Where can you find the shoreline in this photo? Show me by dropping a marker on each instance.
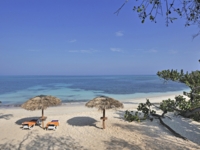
(139, 98)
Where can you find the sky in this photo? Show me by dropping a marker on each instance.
(85, 37)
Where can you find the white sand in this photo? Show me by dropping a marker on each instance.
(81, 128)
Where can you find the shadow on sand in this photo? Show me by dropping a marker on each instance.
(119, 144)
(20, 121)
(5, 116)
(121, 114)
(82, 121)
(47, 142)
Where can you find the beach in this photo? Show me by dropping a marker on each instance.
(56, 56)
(81, 128)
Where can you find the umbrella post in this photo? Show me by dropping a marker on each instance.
(103, 119)
(42, 118)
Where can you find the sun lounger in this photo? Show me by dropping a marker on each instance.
(53, 125)
(27, 126)
(30, 124)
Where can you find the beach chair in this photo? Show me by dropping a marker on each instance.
(53, 125)
(27, 126)
(30, 124)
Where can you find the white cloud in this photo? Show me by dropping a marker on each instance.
(73, 51)
(119, 33)
(116, 49)
(72, 41)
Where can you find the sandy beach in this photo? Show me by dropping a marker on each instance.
(81, 129)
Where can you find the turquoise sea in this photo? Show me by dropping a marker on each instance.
(15, 90)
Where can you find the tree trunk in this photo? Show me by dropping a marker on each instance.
(189, 113)
(170, 129)
(104, 112)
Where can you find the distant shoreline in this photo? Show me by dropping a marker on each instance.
(138, 98)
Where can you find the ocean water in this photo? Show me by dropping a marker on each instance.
(18, 89)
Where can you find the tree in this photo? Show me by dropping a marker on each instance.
(171, 9)
(189, 108)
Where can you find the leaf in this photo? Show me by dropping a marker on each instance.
(151, 17)
(143, 21)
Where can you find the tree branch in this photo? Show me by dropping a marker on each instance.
(170, 129)
(118, 10)
(191, 112)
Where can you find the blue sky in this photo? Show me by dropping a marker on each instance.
(85, 37)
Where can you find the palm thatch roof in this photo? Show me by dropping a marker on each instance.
(104, 102)
(41, 102)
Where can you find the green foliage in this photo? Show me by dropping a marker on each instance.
(180, 104)
(173, 75)
(192, 80)
(129, 116)
(171, 9)
(145, 108)
(167, 105)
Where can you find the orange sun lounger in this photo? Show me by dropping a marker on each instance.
(29, 124)
(52, 125)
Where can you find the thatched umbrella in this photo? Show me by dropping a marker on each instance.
(41, 102)
(103, 103)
